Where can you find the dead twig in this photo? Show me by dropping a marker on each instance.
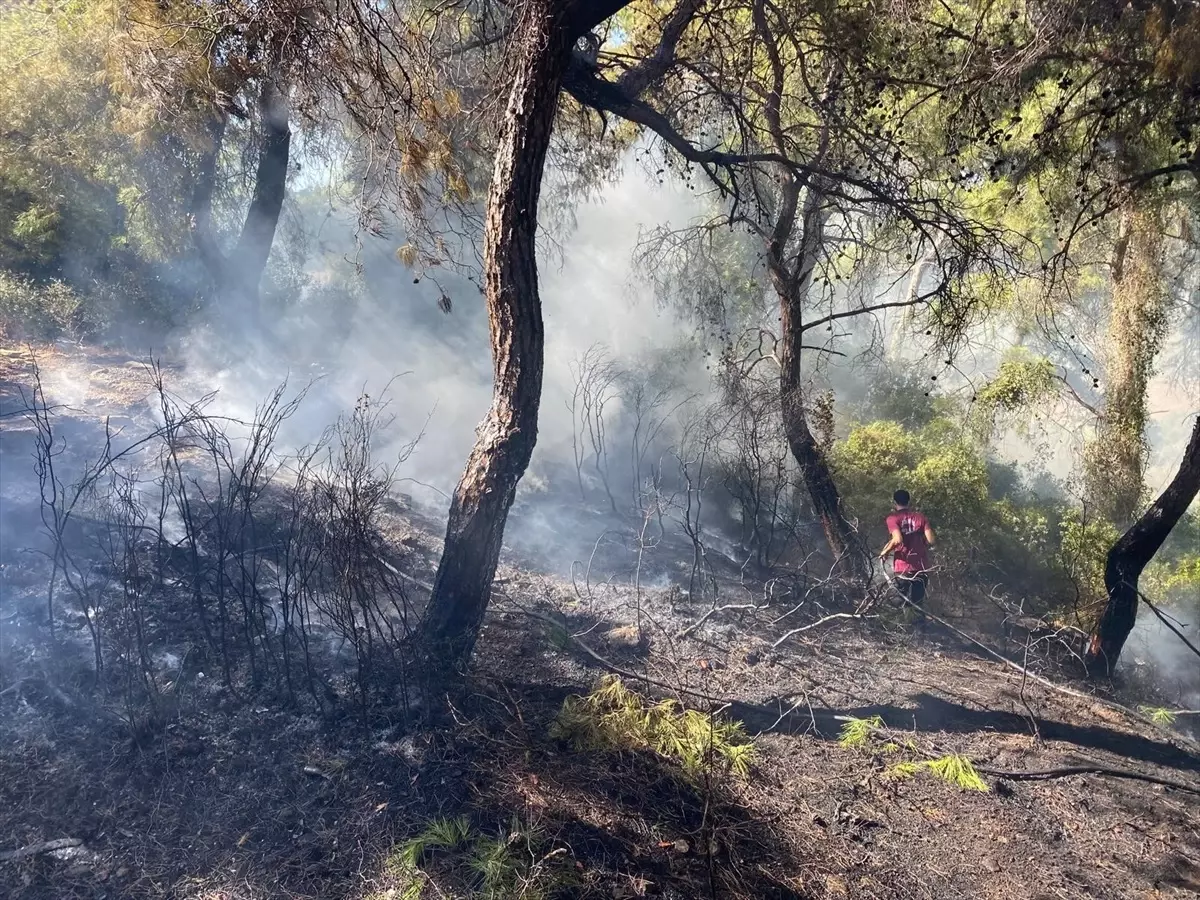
(820, 621)
(728, 607)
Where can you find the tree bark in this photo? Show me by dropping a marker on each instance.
(506, 437)
(270, 185)
(1132, 553)
(814, 467)
(240, 272)
(1115, 461)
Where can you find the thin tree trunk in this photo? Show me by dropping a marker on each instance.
(462, 586)
(239, 273)
(1133, 552)
(270, 185)
(814, 468)
(792, 278)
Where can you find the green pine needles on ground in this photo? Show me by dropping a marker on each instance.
(856, 732)
(951, 768)
(612, 717)
(1160, 715)
(450, 858)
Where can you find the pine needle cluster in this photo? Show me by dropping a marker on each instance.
(951, 768)
(474, 866)
(612, 717)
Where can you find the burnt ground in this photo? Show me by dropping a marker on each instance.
(240, 795)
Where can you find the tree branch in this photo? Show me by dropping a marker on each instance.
(850, 313)
(584, 15)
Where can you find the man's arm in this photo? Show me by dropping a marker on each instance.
(897, 541)
(930, 537)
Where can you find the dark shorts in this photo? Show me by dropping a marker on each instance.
(912, 586)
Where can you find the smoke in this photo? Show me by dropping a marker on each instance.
(1159, 656)
(380, 330)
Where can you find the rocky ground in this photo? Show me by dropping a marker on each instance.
(240, 796)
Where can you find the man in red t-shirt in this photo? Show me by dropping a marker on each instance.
(911, 538)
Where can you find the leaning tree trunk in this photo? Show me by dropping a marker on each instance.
(1115, 461)
(238, 275)
(270, 185)
(1131, 554)
(462, 586)
(792, 289)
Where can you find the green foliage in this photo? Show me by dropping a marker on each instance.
(1085, 543)
(1160, 715)
(1022, 384)
(902, 770)
(74, 185)
(856, 732)
(40, 310)
(946, 473)
(897, 395)
(952, 768)
(612, 717)
(957, 770)
(988, 522)
(449, 858)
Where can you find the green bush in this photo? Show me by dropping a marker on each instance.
(43, 310)
(990, 527)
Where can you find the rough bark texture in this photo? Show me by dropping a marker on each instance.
(814, 468)
(462, 586)
(1131, 554)
(1115, 462)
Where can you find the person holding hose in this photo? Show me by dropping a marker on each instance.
(911, 539)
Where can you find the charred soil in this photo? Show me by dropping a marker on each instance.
(239, 788)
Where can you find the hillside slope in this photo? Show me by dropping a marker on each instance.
(239, 791)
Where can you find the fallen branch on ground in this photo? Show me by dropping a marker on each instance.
(38, 849)
(1065, 771)
(820, 621)
(613, 667)
(935, 750)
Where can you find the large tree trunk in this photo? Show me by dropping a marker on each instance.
(1131, 554)
(1115, 461)
(462, 586)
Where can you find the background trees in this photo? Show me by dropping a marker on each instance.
(927, 173)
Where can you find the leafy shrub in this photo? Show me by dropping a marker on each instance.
(40, 310)
(990, 527)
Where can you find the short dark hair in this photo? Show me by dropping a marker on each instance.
(901, 498)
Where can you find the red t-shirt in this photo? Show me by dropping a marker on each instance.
(914, 555)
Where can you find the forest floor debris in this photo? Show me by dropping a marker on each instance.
(236, 795)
